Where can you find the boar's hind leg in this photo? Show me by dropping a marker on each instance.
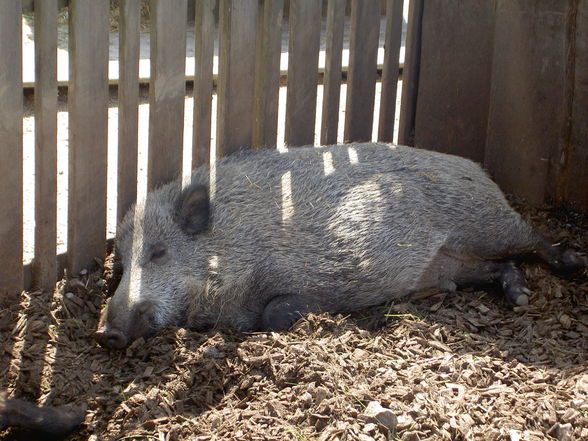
(510, 278)
(560, 260)
(282, 311)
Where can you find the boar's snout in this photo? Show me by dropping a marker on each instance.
(110, 338)
(120, 325)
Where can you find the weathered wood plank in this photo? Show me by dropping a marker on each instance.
(29, 5)
(303, 52)
(237, 27)
(332, 77)
(128, 102)
(573, 154)
(361, 79)
(45, 262)
(11, 218)
(267, 73)
(453, 97)
(88, 127)
(392, 42)
(28, 270)
(527, 97)
(203, 81)
(166, 91)
(410, 73)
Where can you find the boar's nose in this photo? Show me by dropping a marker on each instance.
(110, 338)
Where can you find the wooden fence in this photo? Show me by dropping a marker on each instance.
(247, 91)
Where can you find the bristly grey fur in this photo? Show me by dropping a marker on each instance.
(350, 225)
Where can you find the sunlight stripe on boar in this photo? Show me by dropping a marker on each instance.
(353, 159)
(328, 163)
(213, 263)
(287, 206)
(135, 279)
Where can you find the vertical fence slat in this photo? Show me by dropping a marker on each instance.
(361, 79)
(410, 73)
(167, 91)
(304, 45)
(45, 261)
(128, 102)
(390, 71)
(11, 108)
(203, 81)
(238, 21)
(88, 131)
(332, 78)
(267, 73)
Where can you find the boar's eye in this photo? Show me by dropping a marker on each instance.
(158, 254)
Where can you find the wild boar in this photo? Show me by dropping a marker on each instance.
(57, 421)
(264, 237)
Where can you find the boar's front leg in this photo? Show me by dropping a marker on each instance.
(512, 281)
(57, 421)
(510, 278)
(282, 311)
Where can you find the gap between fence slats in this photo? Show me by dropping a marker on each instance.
(204, 30)
(128, 102)
(11, 110)
(361, 79)
(166, 91)
(45, 262)
(303, 52)
(267, 73)
(410, 73)
(390, 70)
(88, 126)
(333, 71)
(237, 27)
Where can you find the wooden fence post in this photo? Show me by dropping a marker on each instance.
(203, 81)
(303, 52)
(410, 73)
(237, 26)
(267, 73)
(361, 79)
(88, 127)
(128, 102)
(332, 78)
(167, 90)
(45, 260)
(388, 97)
(11, 230)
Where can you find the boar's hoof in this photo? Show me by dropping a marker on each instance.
(281, 312)
(110, 338)
(513, 284)
(521, 298)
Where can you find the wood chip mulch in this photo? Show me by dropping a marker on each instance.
(459, 366)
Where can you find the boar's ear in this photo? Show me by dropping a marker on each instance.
(192, 210)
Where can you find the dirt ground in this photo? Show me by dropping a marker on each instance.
(459, 366)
